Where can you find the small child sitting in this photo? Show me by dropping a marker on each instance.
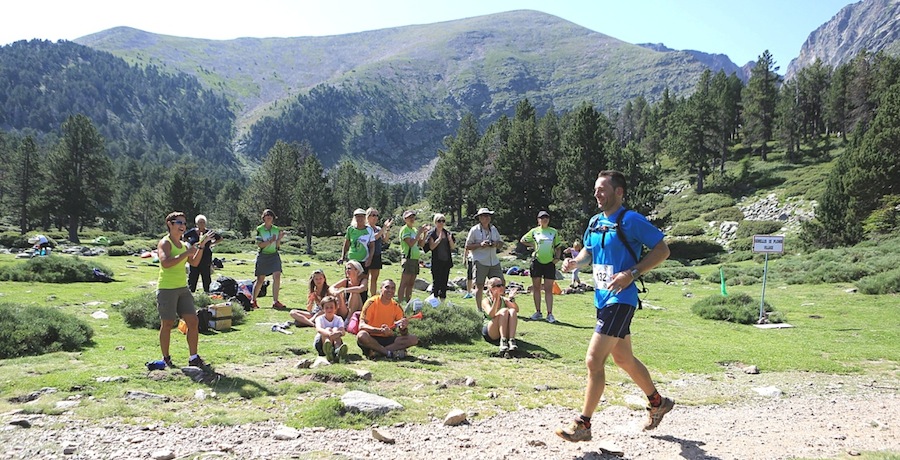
(329, 330)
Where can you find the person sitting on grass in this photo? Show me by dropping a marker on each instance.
(329, 330)
(349, 290)
(318, 289)
(380, 316)
(501, 315)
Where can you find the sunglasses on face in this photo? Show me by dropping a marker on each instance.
(498, 285)
(179, 222)
(441, 221)
(373, 215)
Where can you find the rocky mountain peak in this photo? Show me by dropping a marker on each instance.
(873, 25)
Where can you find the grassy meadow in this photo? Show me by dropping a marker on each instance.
(835, 332)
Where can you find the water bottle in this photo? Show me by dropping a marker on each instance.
(157, 365)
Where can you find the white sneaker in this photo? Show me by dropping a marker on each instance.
(550, 318)
(504, 345)
(537, 316)
(512, 345)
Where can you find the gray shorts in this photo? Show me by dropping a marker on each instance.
(266, 264)
(483, 272)
(174, 303)
(411, 267)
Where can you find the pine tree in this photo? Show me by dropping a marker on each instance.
(272, 186)
(692, 137)
(760, 97)
(312, 199)
(455, 171)
(79, 174)
(587, 143)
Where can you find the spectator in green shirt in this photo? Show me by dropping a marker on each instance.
(546, 245)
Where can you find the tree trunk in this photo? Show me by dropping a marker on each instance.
(73, 229)
(309, 239)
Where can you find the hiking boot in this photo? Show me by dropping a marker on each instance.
(328, 347)
(550, 318)
(168, 361)
(512, 345)
(575, 431)
(537, 316)
(504, 345)
(341, 354)
(198, 362)
(655, 414)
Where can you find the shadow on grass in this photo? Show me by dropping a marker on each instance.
(244, 387)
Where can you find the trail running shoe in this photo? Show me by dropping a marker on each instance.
(197, 362)
(279, 306)
(537, 316)
(399, 354)
(655, 414)
(341, 354)
(168, 361)
(328, 347)
(575, 431)
(468, 295)
(550, 318)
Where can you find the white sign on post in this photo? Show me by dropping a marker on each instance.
(768, 244)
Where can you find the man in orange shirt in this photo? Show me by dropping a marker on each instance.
(380, 316)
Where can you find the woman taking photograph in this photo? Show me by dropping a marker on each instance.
(350, 289)
(502, 315)
(382, 237)
(268, 261)
(318, 290)
(441, 243)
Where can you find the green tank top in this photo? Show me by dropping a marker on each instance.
(174, 276)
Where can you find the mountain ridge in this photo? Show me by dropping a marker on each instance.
(872, 25)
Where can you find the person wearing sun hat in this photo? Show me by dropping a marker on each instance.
(359, 241)
(546, 244)
(482, 242)
(411, 240)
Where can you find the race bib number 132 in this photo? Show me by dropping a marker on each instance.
(602, 275)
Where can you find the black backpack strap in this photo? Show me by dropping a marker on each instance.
(620, 233)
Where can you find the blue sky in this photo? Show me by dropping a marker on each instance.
(740, 29)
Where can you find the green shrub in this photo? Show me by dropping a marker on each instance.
(693, 249)
(692, 206)
(140, 311)
(748, 228)
(126, 250)
(30, 330)
(53, 269)
(730, 213)
(670, 274)
(735, 276)
(448, 323)
(739, 308)
(14, 240)
(692, 228)
(882, 283)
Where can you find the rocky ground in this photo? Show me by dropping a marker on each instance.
(776, 416)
